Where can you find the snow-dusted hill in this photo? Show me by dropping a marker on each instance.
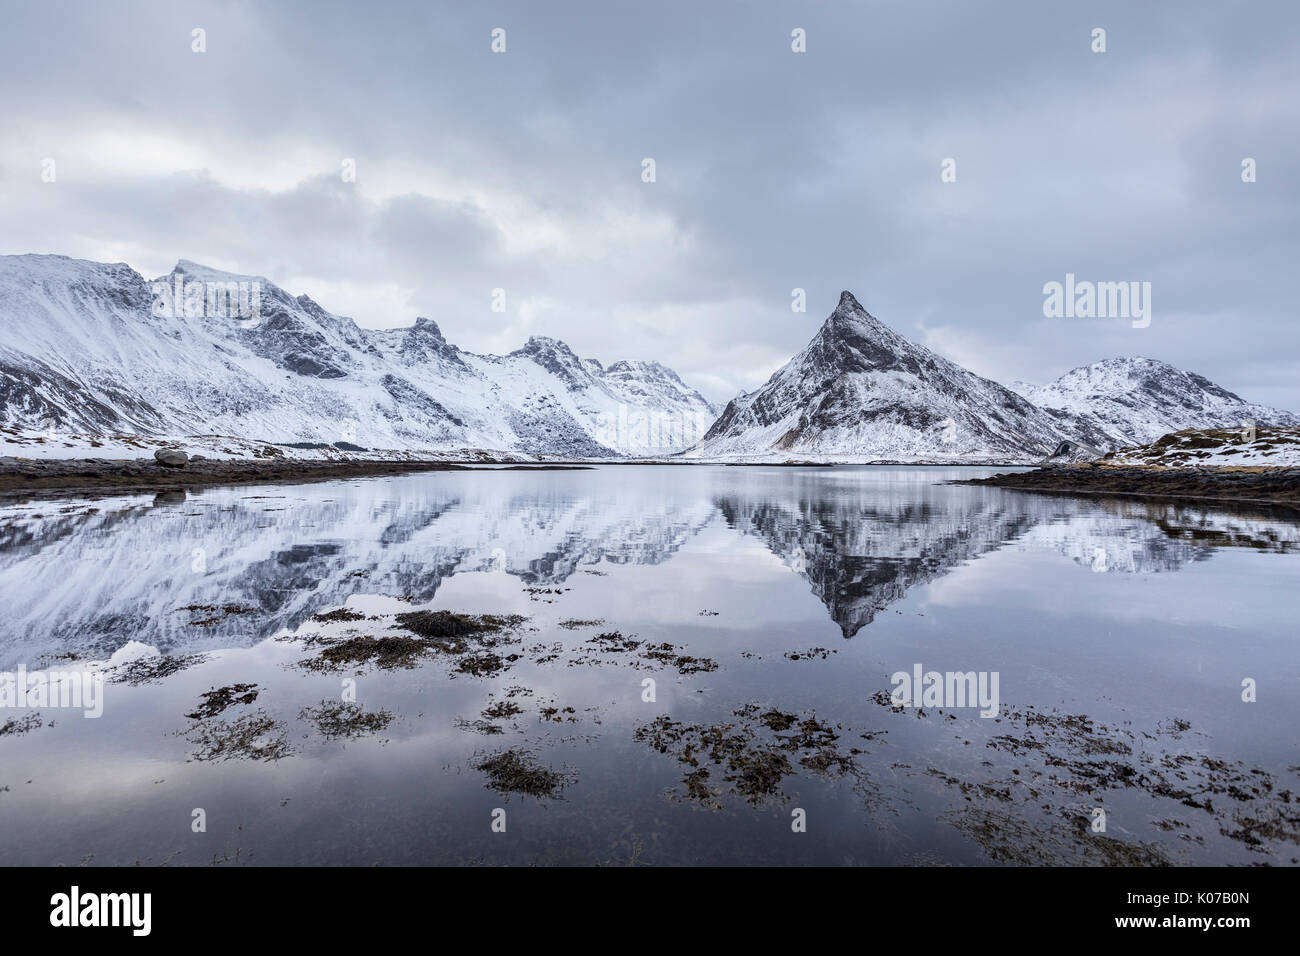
(93, 347)
(860, 390)
(1133, 401)
(1216, 447)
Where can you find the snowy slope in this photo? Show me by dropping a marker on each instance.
(83, 348)
(1133, 401)
(860, 390)
(1216, 447)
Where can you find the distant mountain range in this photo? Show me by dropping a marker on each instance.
(83, 347)
(95, 348)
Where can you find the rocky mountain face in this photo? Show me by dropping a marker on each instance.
(861, 390)
(94, 347)
(1132, 401)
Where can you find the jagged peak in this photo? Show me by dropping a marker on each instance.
(849, 312)
(544, 343)
(427, 326)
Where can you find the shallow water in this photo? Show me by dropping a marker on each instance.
(789, 597)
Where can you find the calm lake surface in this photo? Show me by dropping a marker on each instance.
(768, 609)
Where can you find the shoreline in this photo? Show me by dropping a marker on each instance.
(59, 477)
(1272, 486)
(54, 477)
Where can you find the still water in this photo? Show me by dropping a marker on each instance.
(699, 671)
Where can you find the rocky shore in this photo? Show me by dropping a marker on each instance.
(1257, 484)
(25, 476)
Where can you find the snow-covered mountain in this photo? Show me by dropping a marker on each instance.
(1133, 401)
(94, 347)
(861, 390)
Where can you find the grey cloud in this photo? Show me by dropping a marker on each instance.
(775, 170)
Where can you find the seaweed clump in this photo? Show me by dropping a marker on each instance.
(755, 753)
(255, 736)
(517, 771)
(21, 725)
(338, 719)
(469, 639)
(217, 700)
(146, 670)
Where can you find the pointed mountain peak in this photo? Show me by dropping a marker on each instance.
(848, 303)
(850, 310)
(850, 323)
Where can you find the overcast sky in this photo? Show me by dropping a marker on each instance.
(821, 170)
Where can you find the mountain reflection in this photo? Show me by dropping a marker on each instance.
(230, 567)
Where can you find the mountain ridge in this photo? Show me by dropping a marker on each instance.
(98, 347)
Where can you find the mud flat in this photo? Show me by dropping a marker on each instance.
(27, 476)
(1251, 484)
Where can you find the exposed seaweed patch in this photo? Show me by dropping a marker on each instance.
(644, 655)
(21, 725)
(613, 641)
(813, 653)
(502, 710)
(1051, 759)
(755, 753)
(442, 625)
(553, 713)
(337, 719)
(155, 667)
(255, 736)
(517, 771)
(485, 727)
(338, 615)
(573, 624)
(468, 639)
(1008, 838)
(217, 700)
(485, 663)
(1277, 823)
(386, 652)
(666, 653)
